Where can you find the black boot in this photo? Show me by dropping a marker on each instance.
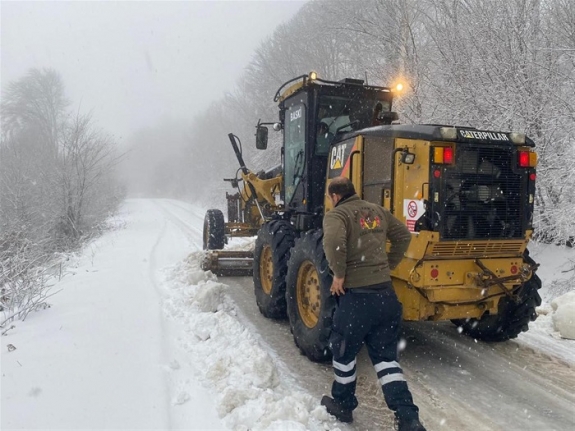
(409, 425)
(333, 408)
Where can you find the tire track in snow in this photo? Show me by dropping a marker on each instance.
(192, 211)
(500, 383)
(189, 230)
(152, 271)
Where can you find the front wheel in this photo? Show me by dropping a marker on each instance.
(214, 234)
(310, 305)
(272, 250)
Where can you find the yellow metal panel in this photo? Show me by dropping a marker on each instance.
(410, 181)
(478, 248)
(416, 305)
(352, 165)
(290, 90)
(387, 198)
(463, 272)
(357, 165)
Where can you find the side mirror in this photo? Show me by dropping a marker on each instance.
(388, 117)
(262, 138)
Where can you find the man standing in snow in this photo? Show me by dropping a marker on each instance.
(355, 234)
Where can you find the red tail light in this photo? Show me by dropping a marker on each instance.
(443, 155)
(523, 159)
(448, 155)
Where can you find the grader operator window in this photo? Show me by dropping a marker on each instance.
(340, 114)
(295, 155)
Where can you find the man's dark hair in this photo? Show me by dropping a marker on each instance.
(341, 186)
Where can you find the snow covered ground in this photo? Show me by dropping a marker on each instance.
(141, 338)
(557, 271)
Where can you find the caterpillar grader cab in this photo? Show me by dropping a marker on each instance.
(466, 195)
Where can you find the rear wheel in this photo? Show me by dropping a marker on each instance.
(214, 230)
(272, 250)
(310, 305)
(512, 317)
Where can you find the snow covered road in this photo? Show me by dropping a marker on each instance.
(458, 383)
(141, 338)
(100, 357)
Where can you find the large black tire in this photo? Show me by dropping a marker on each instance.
(310, 305)
(272, 250)
(512, 317)
(214, 230)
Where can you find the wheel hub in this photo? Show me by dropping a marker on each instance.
(308, 294)
(266, 269)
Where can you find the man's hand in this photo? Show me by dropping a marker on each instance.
(337, 286)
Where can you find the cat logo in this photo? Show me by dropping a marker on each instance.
(367, 222)
(337, 154)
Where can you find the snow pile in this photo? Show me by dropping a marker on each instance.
(556, 315)
(227, 358)
(564, 315)
(556, 272)
(242, 244)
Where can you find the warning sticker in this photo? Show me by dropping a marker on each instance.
(412, 210)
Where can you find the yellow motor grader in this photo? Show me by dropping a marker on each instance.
(465, 194)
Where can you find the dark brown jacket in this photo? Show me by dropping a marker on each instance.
(354, 237)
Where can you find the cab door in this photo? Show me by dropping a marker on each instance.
(295, 157)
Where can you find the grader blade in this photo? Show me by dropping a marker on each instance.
(226, 263)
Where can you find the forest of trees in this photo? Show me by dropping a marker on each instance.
(484, 63)
(57, 185)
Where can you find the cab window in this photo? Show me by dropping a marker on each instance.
(295, 133)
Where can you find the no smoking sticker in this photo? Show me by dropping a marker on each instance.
(412, 210)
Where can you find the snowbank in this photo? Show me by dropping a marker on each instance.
(564, 315)
(557, 312)
(249, 392)
(556, 273)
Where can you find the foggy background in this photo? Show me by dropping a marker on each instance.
(135, 64)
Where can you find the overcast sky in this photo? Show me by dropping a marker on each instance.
(134, 63)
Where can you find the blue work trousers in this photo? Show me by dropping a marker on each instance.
(373, 319)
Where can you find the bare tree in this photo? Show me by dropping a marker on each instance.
(86, 160)
(33, 114)
(37, 102)
(56, 186)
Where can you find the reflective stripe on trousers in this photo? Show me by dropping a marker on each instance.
(344, 373)
(388, 372)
